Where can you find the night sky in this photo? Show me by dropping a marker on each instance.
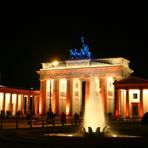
(32, 33)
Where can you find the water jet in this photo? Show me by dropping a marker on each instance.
(95, 122)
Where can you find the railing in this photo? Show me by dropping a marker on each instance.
(23, 122)
(11, 123)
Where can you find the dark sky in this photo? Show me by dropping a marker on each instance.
(31, 33)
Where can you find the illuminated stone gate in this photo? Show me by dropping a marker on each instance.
(64, 85)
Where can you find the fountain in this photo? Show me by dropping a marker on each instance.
(95, 122)
(94, 118)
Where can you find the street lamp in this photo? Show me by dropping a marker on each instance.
(50, 106)
(55, 63)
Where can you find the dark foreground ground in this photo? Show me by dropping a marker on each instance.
(130, 134)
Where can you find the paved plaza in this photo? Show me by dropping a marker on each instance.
(132, 134)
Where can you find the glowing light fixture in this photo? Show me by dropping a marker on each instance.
(55, 63)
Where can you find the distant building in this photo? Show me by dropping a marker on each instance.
(131, 97)
(65, 86)
(18, 101)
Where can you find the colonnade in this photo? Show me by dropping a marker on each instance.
(19, 101)
(70, 95)
(131, 103)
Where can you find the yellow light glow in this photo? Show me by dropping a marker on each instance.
(145, 91)
(1, 100)
(110, 81)
(63, 85)
(67, 110)
(14, 96)
(19, 102)
(55, 63)
(7, 101)
(114, 135)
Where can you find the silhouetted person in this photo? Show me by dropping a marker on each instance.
(76, 118)
(47, 117)
(52, 118)
(29, 118)
(63, 118)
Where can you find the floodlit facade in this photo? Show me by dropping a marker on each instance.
(131, 97)
(18, 101)
(65, 86)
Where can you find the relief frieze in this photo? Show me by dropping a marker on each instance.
(81, 72)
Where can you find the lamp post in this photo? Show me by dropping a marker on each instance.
(53, 64)
(50, 106)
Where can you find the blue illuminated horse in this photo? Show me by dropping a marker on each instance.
(84, 51)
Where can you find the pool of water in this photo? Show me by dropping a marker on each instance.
(82, 135)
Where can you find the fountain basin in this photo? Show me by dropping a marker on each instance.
(90, 132)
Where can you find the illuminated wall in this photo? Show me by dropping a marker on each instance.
(49, 85)
(133, 99)
(62, 95)
(7, 101)
(1, 101)
(97, 86)
(19, 102)
(14, 99)
(77, 96)
(122, 102)
(110, 95)
(145, 100)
